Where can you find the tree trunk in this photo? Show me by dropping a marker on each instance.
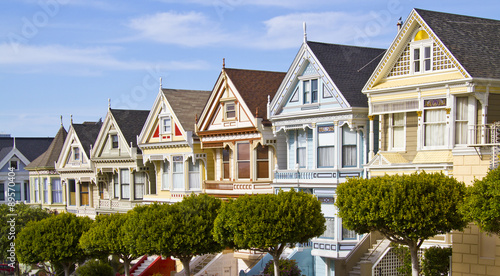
(415, 265)
(126, 266)
(276, 262)
(185, 263)
(66, 268)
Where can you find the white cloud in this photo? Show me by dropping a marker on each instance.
(187, 29)
(195, 29)
(84, 61)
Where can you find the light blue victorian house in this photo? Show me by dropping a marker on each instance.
(320, 121)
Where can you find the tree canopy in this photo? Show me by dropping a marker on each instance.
(54, 239)
(182, 230)
(107, 236)
(407, 209)
(269, 222)
(482, 203)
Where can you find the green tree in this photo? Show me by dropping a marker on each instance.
(482, 203)
(94, 268)
(288, 267)
(436, 261)
(406, 209)
(106, 236)
(11, 223)
(269, 222)
(54, 239)
(181, 230)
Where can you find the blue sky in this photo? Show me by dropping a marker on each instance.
(62, 57)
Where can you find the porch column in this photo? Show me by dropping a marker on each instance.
(371, 138)
(78, 193)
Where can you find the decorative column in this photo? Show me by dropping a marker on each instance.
(371, 138)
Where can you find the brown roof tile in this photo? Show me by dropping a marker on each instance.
(186, 104)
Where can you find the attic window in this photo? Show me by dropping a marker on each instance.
(114, 141)
(295, 96)
(421, 53)
(230, 110)
(326, 92)
(166, 126)
(76, 153)
(310, 91)
(14, 164)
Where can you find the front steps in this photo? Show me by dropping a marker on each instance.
(370, 257)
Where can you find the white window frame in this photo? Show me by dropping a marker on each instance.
(307, 94)
(178, 159)
(331, 144)
(297, 161)
(445, 129)
(140, 179)
(461, 121)
(238, 161)
(226, 110)
(421, 45)
(391, 132)
(56, 190)
(111, 137)
(76, 154)
(257, 160)
(344, 144)
(194, 173)
(163, 125)
(124, 186)
(166, 179)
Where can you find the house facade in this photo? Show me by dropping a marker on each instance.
(170, 145)
(320, 120)
(235, 128)
(120, 175)
(15, 154)
(74, 166)
(429, 98)
(46, 189)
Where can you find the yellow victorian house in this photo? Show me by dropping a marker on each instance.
(169, 143)
(429, 102)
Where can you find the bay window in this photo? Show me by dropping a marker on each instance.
(330, 228)
(165, 180)
(194, 175)
(225, 162)
(116, 184)
(45, 191)
(434, 127)
(326, 148)
(349, 150)
(397, 125)
(125, 183)
(243, 160)
(139, 182)
(262, 161)
(84, 194)
(56, 191)
(301, 148)
(178, 172)
(461, 120)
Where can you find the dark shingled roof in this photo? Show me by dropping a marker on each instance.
(130, 123)
(473, 41)
(349, 67)
(87, 133)
(186, 104)
(30, 147)
(254, 87)
(50, 156)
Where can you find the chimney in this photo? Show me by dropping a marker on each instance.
(399, 24)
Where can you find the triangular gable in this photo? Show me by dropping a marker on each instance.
(13, 152)
(103, 142)
(72, 141)
(306, 64)
(396, 61)
(213, 115)
(151, 132)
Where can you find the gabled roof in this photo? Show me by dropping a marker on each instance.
(130, 123)
(473, 41)
(349, 67)
(87, 133)
(186, 104)
(30, 147)
(50, 156)
(254, 87)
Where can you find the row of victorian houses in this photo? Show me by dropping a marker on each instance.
(340, 111)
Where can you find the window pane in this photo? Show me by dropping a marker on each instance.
(325, 157)
(348, 136)
(348, 234)
(178, 173)
(125, 181)
(314, 91)
(165, 181)
(349, 155)
(427, 52)
(434, 127)
(116, 185)
(56, 191)
(17, 191)
(114, 140)
(262, 161)
(139, 181)
(194, 175)
(2, 191)
(125, 191)
(243, 169)
(225, 163)
(230, 110)
(166, 125)
(398, 137)
(45, 190)
(330, 228)
(72, 192)
(243, 151)
(416, 54)
(461, 121)
(262, 152)
(301, 157)
(84, 194)
(307, 90)
(295, 96)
